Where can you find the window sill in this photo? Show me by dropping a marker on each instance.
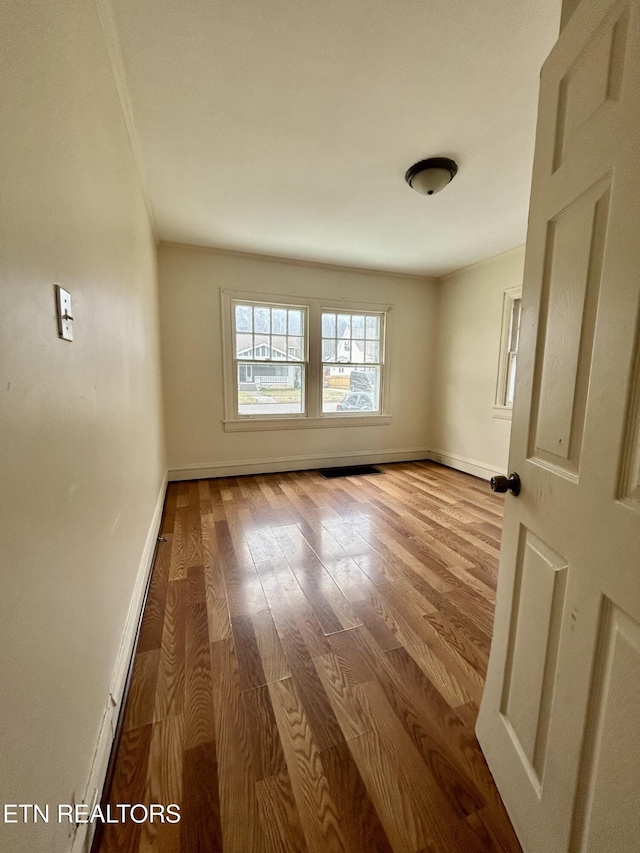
(503, 412)
(275, 423)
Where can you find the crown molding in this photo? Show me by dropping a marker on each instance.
(298, 262)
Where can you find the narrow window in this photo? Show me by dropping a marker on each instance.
(508, 361)
(512, 354)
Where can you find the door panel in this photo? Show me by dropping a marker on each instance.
(629, 488)
(607, 800)
(561, 709)
(594, 78)
(575, 248)
(538, 601)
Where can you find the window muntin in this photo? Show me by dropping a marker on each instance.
(351, 352)
(270, 359)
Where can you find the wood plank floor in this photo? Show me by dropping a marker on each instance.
(310, 666)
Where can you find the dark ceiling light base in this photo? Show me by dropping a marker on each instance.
(430, 176)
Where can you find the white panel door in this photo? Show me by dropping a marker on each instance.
(560, 716)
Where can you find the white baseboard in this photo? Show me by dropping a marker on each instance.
(295, 463)
(81, 840)
(463, 463)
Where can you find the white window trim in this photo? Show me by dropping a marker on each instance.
(314, 418)
(500, 408)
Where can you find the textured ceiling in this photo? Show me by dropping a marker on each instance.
(285, 127)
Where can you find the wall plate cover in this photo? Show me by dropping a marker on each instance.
(65, 315)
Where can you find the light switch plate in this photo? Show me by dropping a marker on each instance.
(65, 314)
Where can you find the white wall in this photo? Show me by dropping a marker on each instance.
(81, 443)
(465, 434)
(197, 445)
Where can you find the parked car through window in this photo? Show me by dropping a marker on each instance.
(361, 402)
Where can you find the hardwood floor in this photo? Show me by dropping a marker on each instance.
(310, 665)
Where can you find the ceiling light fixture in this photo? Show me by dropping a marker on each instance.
(430, 176)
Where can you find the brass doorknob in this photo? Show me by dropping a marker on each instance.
(507, 484)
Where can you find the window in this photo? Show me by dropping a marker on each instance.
(505, 388)
(353, 339)
(270, 358)
(512, 352)
(305, 364)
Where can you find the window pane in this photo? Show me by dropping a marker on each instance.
(279, 321)
(372, 351)
(262, 346)
(244, 318)
(343, 350)
(357, 326)
(356, 354)
(244, 346)
(328, 325)
(270, 389)
(262, 319)
(351, 392)
(279, 346)
(295, 322)
(328, 350)
(515, 325)
(295, 348)
(373, 327)
(245, 372)
(344, 326)
(511, 378)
